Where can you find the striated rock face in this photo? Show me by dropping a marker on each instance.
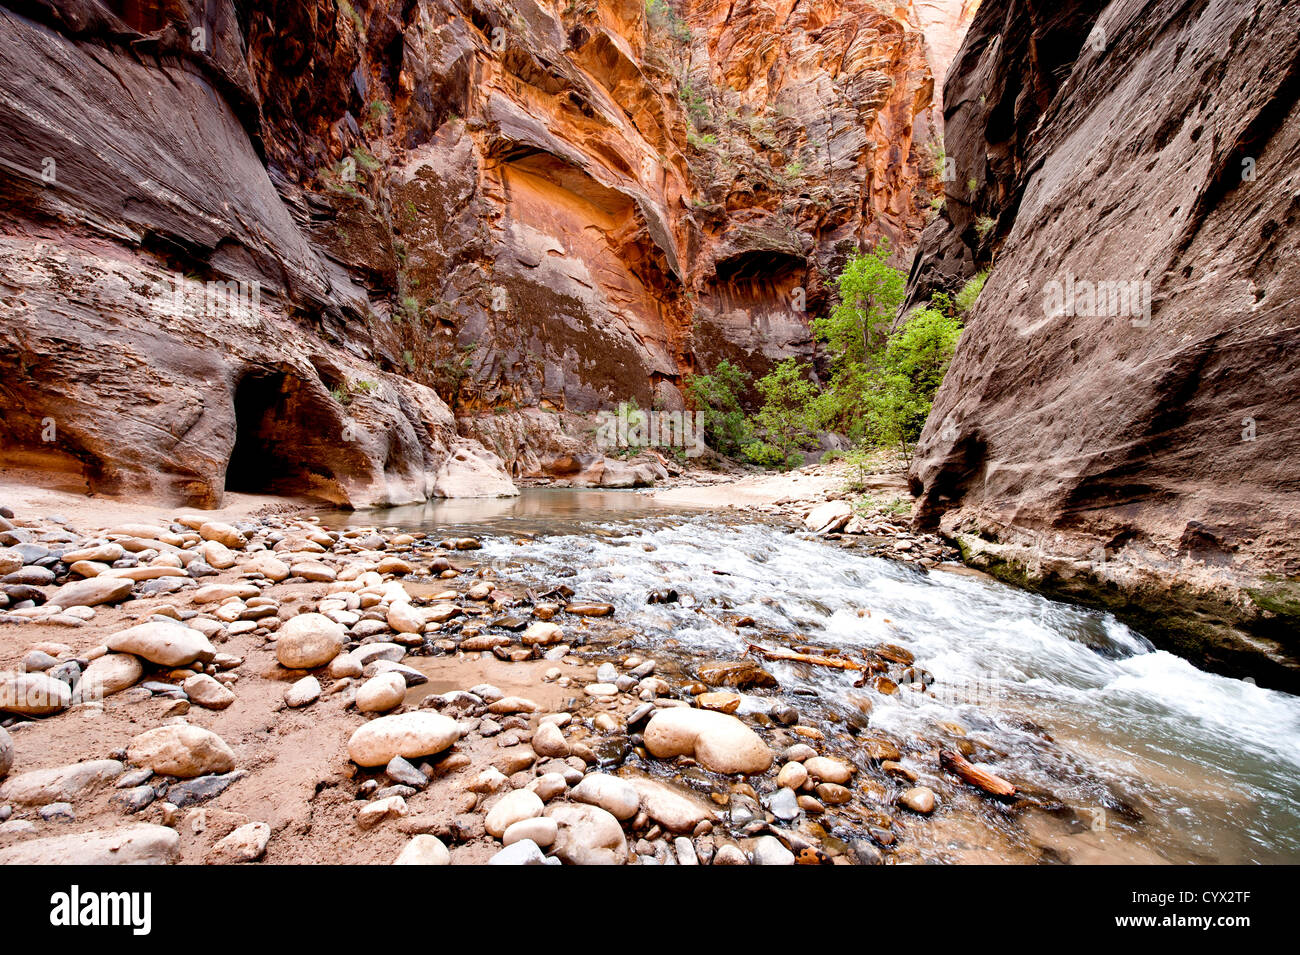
(264, 249)
(1132, 451)
(170, 327)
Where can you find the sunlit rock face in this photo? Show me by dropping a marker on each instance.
(299, 231)
(1121, 409)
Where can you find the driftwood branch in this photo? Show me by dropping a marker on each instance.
(780, 654)
(959, 766)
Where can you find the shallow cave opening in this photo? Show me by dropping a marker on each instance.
(270, 455)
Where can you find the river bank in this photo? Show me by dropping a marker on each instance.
(246, 709)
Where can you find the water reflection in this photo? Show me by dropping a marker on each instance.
(536, 511)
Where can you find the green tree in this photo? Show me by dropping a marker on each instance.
(787, 419)
(717, 398)
(871, 292)
(900, 395)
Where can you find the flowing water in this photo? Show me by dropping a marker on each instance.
(1133, 754)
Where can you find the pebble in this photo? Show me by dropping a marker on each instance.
(373, 813)
(768, 850)
(548, 740)
(244, 844)
(719, 702)
(401, 771)
(488, 781)
(512, 704)
(207, 692)
(798, 753)
(540, 830)
(164, 642)
(542, 633)
(828, 770)
(424, 849)
(303, 692)
(34, 694)
(37, 661)
(548, 786)
(523, 852)
(784, 804)
(108, 674)
(587, 835)
(919, 799)
(140, 844)
(607, 673)
(730, 855)
(343, 666)
(61, 783)
(92, 592)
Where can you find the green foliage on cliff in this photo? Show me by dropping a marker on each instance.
(885, 368)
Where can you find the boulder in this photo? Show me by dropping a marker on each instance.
(6, 752)
(141, 844)
(587, 835)
(106, 675)
(717, 741)
(92, 592)
(308, 640)
(34, 694)
(408, 735)
(165, 643)
(181, 750)
(40, 787)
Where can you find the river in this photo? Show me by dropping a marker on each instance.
(1127, 753)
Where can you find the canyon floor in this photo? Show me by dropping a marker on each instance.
(726, 679)
(156, 716)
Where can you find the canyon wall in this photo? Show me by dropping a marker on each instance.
(1119, 424)
(275, 246)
